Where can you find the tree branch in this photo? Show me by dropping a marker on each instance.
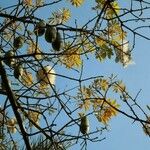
(12, 100)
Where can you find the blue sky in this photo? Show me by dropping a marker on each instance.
(123, 134)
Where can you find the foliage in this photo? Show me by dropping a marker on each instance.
(36, 50)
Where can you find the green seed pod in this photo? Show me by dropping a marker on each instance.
(18, 42)
(117, 59)
(18, 71)
(50, 34)
(57, 43)
(8, 60)
(84, 126)
(39, 29)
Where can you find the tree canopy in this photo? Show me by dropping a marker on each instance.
(49, 100)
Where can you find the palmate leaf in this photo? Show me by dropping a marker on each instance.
(112, 10)
(119, 87)
(85, 95)
(101, 34)
(28, 2)
(85, 105)
(103, 53)
(31, 2)
(106, 110)
(71, 57)
(76, 3)
(39, 2)
(60, 16)
(27, 78)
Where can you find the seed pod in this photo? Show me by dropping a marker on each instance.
(46, 76)
(18, 42)
(39, 29)
(18, 71)
(84, 126)
(50, 34)
(9, 61)
(57, 43)
(2, 114)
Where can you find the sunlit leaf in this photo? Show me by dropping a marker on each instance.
(101, 84)
(146, 127)
(27, 78)
(85, 105)
(107, 110)
(112, 10)
(76, 3)
(11, 125)
(85, 94)
(39, 2)
(119, 87)
(71, 56)
(27, 2)
(66, 14)
(60, 16)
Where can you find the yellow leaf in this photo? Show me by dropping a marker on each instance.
(11, 125)
(85, 43)
(39, 2)
(97, 103)
(103, 84)
(107, 110)
(119, 87)
(76, 3)
(146, 127)
(27, 78)
(85, 95)
(60, 16)
(71, 57)
(85, 105)
(100, 41)
(66, 14)
(115, 8)
(112, 10)
(27, 2)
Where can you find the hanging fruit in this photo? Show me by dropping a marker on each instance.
(84, 126)
(8, 58)
(39, 29)
(18, 42)
(46, 76)
(2, 114)
(18, 71)
(57, 43)
(50, 34)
